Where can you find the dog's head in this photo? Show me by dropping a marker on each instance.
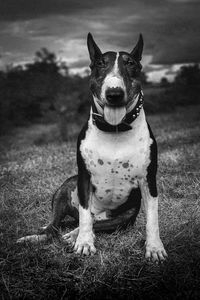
(114, 80)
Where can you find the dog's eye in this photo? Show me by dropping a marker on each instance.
(100, 64)
(130, 63)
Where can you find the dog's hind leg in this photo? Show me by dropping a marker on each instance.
(124, 215)
(65, 203)
(61, 206)
(71, 236)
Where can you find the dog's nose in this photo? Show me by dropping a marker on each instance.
(115, 96)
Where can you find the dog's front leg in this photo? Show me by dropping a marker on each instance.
(85, 240)
(154, 247)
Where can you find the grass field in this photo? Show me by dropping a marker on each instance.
(31, 170)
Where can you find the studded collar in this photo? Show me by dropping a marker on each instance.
(99, 121)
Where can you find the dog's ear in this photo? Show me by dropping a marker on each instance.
(137, 51)
(93, 49)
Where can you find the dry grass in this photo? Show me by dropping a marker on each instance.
(30, 173)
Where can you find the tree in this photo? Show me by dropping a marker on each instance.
(164, 82)
(29, 92)
(188, 75)
(45, 56)
(26, 91)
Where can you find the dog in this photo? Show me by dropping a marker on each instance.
(116, 159)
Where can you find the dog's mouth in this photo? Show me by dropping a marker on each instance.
(114, 115)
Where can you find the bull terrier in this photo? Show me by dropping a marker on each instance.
(116, 159)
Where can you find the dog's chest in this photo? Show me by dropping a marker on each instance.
(116, 161)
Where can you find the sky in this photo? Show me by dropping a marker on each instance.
(171, 31)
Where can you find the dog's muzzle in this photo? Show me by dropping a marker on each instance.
(115, 96)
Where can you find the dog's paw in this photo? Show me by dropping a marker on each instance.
(85, 244)
(71, 236)
(155, 251)
(35, 238)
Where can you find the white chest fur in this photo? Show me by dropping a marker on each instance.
(116, 162)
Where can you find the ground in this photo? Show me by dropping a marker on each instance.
(34, 163)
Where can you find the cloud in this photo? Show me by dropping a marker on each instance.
(170, 28)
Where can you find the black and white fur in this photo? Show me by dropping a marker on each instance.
(115, 168)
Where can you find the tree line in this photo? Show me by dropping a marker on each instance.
(29, 92)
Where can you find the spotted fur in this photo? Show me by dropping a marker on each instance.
(115, 162)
